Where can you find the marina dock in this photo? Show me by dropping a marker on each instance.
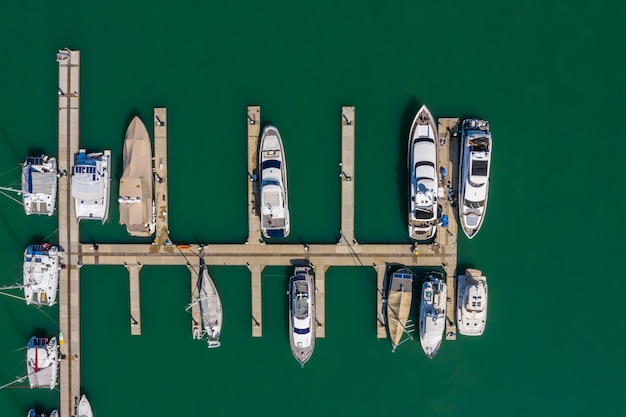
(256, 270)
(254, 218)
(347, 176)
(135, 305)
(160, 177)
(381, 331)
(196, 315)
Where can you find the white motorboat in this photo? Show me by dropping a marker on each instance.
(42, 361)
(471, 302)
(136, 197)
(41, 274)
(273, 186)
(33, 413)
(432, 314)
(84, 408)
(302, 313)
(474, 174)
(422, 164)
(39, 185)
(210, 308)
(397, 305)
(91, 186)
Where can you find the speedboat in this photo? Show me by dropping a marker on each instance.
(136, 198)
(41, 274)
(91, 187)
(397, 302)
(210, 307)
(42, 361)
(33, 413)
(432, 314)
(471, 314)
(273, 188)
(39, 185)
(302, 313)
(84, 408)
(474, 174)
(54, 413)
(422, 159)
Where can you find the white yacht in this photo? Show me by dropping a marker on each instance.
(42, 361)
(136, 197)
(84, 408)
(41, 274)
(91, 178)
(302, 313)
(474, 168)
(432, 314)
(422, 163)
(471, 303)
(397, 304)
(273, 187)
(210, 307)
(39, 185)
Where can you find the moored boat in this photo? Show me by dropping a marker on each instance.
(41, 274)
(302, 313)
(136, 196)
(39, 185)
(475, 162)
(397, 303)
(210, 307)
(422, 164)
(42, 361)
(84, 407)
(91, 188)
(273, 185)
(471, 303)
(432, 314)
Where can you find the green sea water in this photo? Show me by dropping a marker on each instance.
(547, 74)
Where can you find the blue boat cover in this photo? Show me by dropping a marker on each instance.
(276, 233)
(271, 163)
(301, 331)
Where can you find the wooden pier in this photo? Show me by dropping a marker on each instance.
(320, 300)
(196, 315)
(135, 305)
(381, 331)
(160, 177)
(254, 219)
(256, 270)
(347, 176)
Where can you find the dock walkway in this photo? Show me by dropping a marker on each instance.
(160, 177)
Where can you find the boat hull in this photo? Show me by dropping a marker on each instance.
(39, 185)
(472, 293)
(91, 185)
(398, 301)
(432, 315)
(84, 408)
(41, 274)
(210, 307)
(273, 185)
(302, 314)
(42, 360)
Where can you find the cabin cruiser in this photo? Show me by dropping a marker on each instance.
(302, 313)
(273, 187)
(474, 169)
(136, 197)
(471, 303)
(84, 408)
(91, 187)
(432, 314)
(39, 185)
(42, 361)
(41, 274)
(422, 158)
(397, 304)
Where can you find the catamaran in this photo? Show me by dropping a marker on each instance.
(273, 188)
(137, 207)
(474, 174)
(33, 413)
(432, 314)
(422, 159)
(210, 308)
(397, 306)
(471, 302)
(302, 313)
(91, 187)
(84, 408)
(42, 361)
(41, 274)
(39, 185)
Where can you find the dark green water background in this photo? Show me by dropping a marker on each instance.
(548, 74)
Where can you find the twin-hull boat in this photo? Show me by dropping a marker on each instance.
(474, 174)
(471, 314)
(41, 274)
(422, 164)
(91, 186)
(136, 197)
(33, 413)
(397, 305)
(432, 314)
(42, 361)
(273, 185)
(39, 185)
(210, 307)
(84, 408)
(302, 313)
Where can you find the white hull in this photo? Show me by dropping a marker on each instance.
(41, 274)
(210, 307)
(423, 177)
(42, 361)
(302, 314)
(273, 185)
(432, 315)
(91, 188)
(84, 408)
(136, 196)
(472, 292)
(474, 167)
(39, 185)
(397, 302)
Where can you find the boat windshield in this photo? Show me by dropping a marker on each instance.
(480, 168)
(270, 163)
(301, 306)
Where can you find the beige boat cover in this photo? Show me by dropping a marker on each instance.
(136, 186)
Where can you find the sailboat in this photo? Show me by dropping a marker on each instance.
(302, 313)
(41, 274)
(42, 361)
(397, 306)
(84, 408)
(39, 185)
(210, 307)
